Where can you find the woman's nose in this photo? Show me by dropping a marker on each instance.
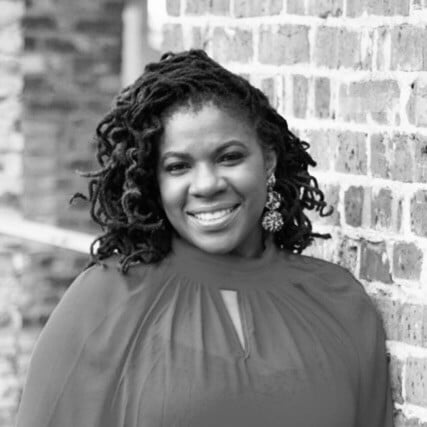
(206, 182)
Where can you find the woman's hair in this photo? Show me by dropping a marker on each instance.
(124, 193)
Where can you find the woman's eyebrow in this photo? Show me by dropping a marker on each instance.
(180, 154)
(186, 155)
(227, 144)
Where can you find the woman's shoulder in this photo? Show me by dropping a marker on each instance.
(321, 273)
(103, 289)
(335, 287)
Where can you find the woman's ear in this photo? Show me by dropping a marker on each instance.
(270, 158)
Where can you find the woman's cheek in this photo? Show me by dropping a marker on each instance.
(172, 191)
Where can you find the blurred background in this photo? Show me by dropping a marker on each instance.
(350, 76)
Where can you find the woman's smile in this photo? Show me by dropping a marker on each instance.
(214, 220)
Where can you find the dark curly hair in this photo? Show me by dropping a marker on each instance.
(124, 193)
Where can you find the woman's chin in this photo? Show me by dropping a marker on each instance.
(227, 243)
(214, 245)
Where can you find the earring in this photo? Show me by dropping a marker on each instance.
(272, 219)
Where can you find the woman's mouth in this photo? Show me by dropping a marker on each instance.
(214, 219)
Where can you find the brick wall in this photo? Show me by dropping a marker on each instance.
(59, 69)
(71, 72)
(351, 78)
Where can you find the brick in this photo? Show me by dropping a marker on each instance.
(392, 156)
(375, 265)
(220, 7)
(197, 7)
(337, 47)
(355, 7)
(417, 104)
(173, 7)
(300, 94)
(383, 48)
(420, 148)
(404, 322)
(390, 313)
(323, 147)
(386, 210)
(112, 8)
(31, 43)
(377, 99)
(352, 153)
(290, 43)
(98, 26)
(348, 254)
(375, 7)
(39, 23)
(402, 166)
(396, 368)
(172, 38)
(322, 97)
(407, 261)
(408, 48)
(418, 213)
(38, 83)
(268, 87)
(198, 39)
(325, 8)
(381, 209)
(353, 206)
(60, 45)
(413, 324)
(416, 381)
(46, 103)
(232, 44)
(295, 7)
(244, 8)
(388, 7)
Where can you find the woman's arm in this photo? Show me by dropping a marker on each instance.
(61, 387)
(375, 403)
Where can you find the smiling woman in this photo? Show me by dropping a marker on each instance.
(197, 308)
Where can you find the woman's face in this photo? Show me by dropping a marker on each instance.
(212, 176)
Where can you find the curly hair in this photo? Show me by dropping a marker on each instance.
(124, 194)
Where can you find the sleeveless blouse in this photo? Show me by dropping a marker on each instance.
(158, 348)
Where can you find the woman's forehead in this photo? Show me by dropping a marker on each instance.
(188, 128)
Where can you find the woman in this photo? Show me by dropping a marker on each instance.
(212, 317)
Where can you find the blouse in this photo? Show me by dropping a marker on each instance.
(158, 348)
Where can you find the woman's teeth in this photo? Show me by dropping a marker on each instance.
(213, 216)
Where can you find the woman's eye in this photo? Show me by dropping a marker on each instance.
(177, 167)
(231, 158)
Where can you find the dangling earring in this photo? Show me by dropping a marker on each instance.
(272, 219)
